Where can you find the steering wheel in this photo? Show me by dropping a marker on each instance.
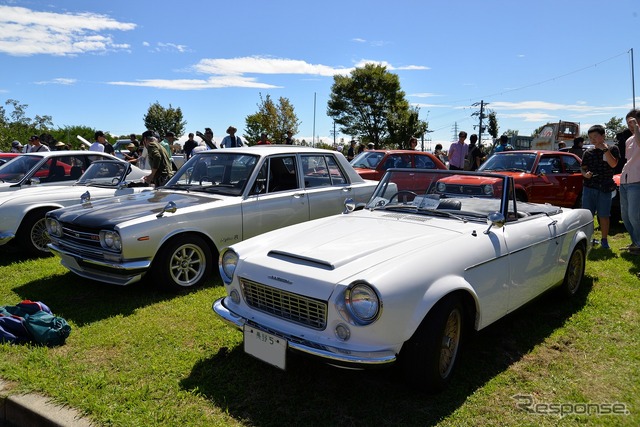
(405, 192)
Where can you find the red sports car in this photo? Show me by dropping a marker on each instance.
(550, 177)
(372, 164)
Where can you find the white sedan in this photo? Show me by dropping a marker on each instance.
(47, 168)
(22, 212)
(219, 197)
(404, 279)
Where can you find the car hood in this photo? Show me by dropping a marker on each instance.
(343, 246)
(116, 210)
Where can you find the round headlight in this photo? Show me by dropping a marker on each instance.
(363, 303)
(54, 228)
(111, 240)
(487, 189)
(441, 187)
(228, 262)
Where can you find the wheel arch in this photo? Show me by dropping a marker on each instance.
(181, 233)
(33, 210)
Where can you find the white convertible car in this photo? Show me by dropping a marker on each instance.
(22, 212)
(405, 278)
(219, 197)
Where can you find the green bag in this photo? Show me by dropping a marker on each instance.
(46, 328)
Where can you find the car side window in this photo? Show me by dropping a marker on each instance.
(424, 162)
(282, 174)
(336, 174)
(549, 164)
(571, 164)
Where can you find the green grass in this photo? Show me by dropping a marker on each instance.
(139, 357)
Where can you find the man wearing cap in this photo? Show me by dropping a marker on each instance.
(98, 145)
(231, 140)
(36, 146)
(159, 160)
(16, 147)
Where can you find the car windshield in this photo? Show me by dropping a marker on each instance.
(219, 172)
(367, 159)
(510, 162)
(105, 174)
(16, 169)
(425, 192)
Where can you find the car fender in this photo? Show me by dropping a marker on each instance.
(435, 292)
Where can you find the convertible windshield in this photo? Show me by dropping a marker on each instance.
(105, 174)
(432, 192)
(367, 159)
(223, 173)
(16, 169)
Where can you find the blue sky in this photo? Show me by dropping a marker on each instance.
(103, 63)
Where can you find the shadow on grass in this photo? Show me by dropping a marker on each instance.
(85, 301)
(311, 393)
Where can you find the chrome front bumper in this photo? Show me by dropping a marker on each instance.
(330, 355)
(103, 271)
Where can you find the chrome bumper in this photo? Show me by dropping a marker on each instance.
(103, 271)
(330, 355)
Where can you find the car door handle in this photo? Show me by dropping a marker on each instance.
(298, 195)
(346, 189)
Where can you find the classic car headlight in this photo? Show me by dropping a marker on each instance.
(53, 227)
(487, 189)
(363, 302)
(227, 264)
(110, 240)
(441, 187)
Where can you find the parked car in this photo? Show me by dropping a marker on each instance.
(22, 213)
(47, 168)
(404, 279)
(217, 198)
(372, 164)
(539, 177)
(5, 157)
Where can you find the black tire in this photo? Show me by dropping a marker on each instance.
(521, 196)
(32, 236)
(429, 357)
(578, 203)
(575, 271)
(183, 263)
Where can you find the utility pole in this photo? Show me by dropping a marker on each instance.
(455, 132)
(482, 117)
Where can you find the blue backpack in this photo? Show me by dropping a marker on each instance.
(32, 321)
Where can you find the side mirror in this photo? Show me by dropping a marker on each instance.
(495, 220)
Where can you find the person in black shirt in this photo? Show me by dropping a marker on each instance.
(598, 167)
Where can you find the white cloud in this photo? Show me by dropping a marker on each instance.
(25, 32)
(390, 67)
(198, 84)
(265, 65)
(58, 81)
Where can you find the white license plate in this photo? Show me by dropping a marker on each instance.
(266, 347)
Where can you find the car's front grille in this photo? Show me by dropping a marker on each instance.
(468, 190)
(82, 241)
(285, 305)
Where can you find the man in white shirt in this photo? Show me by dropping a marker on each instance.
(99, 144)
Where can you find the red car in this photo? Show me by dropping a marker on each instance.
(5, 157)
(372, 164)
(552, 177)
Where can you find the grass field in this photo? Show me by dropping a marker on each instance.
(139, 357)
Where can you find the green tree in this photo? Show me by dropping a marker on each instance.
(163, 120)
(614, 126)
(511, 132)
(16, 125)
(403, 124)
(272, 119)
(493, 127)
(370, 104)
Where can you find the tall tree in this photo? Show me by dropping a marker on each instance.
(369, 104)
(15, 124)
(493, 125)
(163, 120)
(613, 126)
(272, 119)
